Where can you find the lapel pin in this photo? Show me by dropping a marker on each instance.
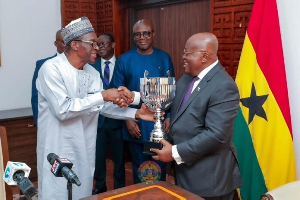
(198, 88)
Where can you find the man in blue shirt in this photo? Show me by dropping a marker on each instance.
(129, 69)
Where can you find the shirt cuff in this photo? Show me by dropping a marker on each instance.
(97, 98)
(176, 155)
(114, 111)
(137, 98)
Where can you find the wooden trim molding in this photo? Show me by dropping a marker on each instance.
(5, 156)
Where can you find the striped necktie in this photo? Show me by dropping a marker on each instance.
(106, 73)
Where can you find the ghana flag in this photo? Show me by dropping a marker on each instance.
(263, 132)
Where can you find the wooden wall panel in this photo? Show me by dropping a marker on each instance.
(229, 22)
(241, 16)
(73, 9)
(70, 11)
(104, 16)
(222, 3)
(88, 9)
(241, 2)
(227, 3)
(221, 24)
(225, 56)
(109, 20)
(22, 140)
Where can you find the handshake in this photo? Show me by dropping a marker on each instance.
(124, 97)
(121, 96)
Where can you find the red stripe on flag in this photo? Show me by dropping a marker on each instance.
(264, 34)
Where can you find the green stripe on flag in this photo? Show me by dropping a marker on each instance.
(250, 169)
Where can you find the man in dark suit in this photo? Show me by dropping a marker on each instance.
(109, 130)
(202, 124)
(60, 46)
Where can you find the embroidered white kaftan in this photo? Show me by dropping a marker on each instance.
(69, 105)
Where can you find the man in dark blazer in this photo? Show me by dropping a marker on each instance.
(202, 126)
(109, 130)
(60, 46)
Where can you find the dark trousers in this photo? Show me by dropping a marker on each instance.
(137, 158)
(113, 137)
(228, 196)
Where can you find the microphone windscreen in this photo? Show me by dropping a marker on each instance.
(15, 171)
(51, 158)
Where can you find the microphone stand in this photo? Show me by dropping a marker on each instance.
(69, 187)
(22, 196)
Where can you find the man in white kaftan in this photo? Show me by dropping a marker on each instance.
(70, 100)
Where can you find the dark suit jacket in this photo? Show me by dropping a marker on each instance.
(34, 92)
(202, 130)
(112, 123)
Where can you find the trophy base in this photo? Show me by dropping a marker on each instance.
(149, 145)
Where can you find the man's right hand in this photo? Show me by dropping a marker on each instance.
(165, 154)
(133, 128)
(122, 97)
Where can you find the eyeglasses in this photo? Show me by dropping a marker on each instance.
(94, 44)
(146, 34)
(186, 53)
(103, 44)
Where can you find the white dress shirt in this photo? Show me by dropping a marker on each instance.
(111, 66)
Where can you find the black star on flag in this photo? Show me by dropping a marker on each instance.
(255, 103)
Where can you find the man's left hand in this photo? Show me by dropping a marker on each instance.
(165, 154)
(145, 114)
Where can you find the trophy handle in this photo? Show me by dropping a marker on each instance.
(146, 73)
(168, 73)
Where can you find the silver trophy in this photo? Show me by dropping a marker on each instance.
(157, 93)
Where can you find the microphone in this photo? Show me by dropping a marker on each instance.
(16, 173)
(62, 167)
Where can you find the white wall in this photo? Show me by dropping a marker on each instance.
(289, 15)
(27, 33)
